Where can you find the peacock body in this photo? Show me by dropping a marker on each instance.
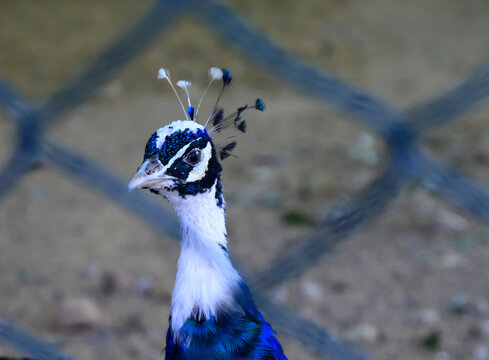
(213, 315)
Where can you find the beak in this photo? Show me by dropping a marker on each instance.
(150, 174)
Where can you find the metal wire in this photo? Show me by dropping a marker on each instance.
(401, 133)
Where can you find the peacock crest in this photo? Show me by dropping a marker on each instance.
(216, 120)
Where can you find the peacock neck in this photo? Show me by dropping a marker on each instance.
(206, 280)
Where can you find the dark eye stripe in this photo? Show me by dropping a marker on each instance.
(205, 183)
(198, 143)
(180, 168)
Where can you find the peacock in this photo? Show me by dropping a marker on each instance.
(213, 315)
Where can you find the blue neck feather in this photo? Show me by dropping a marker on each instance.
(230, 335)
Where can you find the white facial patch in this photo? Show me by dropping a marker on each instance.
(199, 171)
(177, 156)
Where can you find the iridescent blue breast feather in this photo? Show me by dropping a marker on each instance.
(240, 335)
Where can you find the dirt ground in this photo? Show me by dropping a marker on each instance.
(411, 285)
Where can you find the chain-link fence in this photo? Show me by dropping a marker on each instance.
(401, 133)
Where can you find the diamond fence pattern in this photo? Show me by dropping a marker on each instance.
(400, 131)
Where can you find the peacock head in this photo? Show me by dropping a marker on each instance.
(180, 159)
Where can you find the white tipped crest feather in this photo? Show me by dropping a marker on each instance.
(184, 84)
(215, 73)
(163, 74)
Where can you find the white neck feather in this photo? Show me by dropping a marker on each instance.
(205, 276)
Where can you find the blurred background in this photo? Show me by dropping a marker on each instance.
(81, 272)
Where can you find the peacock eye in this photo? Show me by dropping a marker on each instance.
(194, 157)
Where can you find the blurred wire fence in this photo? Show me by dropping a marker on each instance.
(400, 131)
